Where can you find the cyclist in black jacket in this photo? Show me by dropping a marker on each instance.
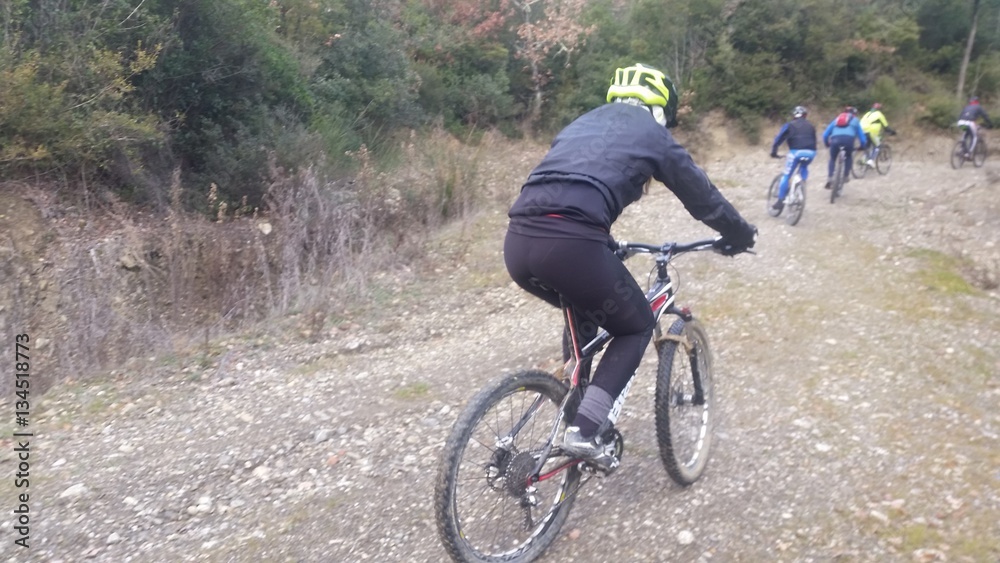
(559, 242)
(968, 117)
(800, 135)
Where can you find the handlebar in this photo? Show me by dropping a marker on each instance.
(668, 249)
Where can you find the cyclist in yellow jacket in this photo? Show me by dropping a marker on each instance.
(873, 123)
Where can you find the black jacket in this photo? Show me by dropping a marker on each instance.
(600, 163)
(800, 134)
(973, 112)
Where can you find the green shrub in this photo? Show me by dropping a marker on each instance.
(939, 110)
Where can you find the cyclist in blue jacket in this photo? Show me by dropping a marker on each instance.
(841, 132)
(801, 138)
(559, 238)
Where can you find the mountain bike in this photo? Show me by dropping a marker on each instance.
(839, 174)
(883, 161)
(961, 154)
(505, 487)
(795, 199)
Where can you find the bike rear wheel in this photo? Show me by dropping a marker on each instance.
(685, 401)
(958, 154)
(484, 510)
(838, 177)
(979, 153)
(860, 167)
(772, 196)
(795, 202)
(884, 159)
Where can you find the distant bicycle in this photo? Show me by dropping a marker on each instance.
(961, 153)
(795, 201)
(882, 162)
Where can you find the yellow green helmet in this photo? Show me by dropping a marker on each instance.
(649, 86)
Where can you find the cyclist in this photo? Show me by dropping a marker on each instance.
(558, 240)
(873, 122)
(968, 117)
(800, 135)
(841, 132)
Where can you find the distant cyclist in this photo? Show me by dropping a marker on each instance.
(841, 132)
(800, 135)
(873, 123)
(968, 117)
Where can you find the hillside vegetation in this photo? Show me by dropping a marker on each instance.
(123, 93)
(174, 169)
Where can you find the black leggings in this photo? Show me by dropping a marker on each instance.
(602, 291)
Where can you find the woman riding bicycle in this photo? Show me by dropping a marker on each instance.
(559, 243)
(840, 134)
(801, 138)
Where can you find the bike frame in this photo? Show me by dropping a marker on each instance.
(660, 296)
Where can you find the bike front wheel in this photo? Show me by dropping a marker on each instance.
(979, 153)
(884, 160)
(685, 401)
(484, 508)
(796, 201)
(958, 155)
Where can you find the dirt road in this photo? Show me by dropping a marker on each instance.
(858, 374)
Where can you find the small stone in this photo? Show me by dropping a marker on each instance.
(262, 472)
(114, 538)
(875, 514)
(685, 538)
(75, 491)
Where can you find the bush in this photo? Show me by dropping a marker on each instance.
(939, 111)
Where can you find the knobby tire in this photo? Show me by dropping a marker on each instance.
(860, 167)
(795, 200)
(684, 376)
(772, 196)
(838, 177)
(482, 519)
(884, 160)
(979, 153)
(958, 154)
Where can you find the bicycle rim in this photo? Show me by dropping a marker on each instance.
(796, 203)
(772, 196)
(979, 155)
(958, 155)
(860, 167)
(685, 401)
(838, 179)
(884, 160)
(482, 506)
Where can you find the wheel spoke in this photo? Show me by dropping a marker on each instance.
(484, 506)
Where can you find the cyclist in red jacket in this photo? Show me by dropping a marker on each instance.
(559, 243)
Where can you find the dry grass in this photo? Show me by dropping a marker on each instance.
(133, 285)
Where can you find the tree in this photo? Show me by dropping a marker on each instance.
(547, 28)
(968, 50)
